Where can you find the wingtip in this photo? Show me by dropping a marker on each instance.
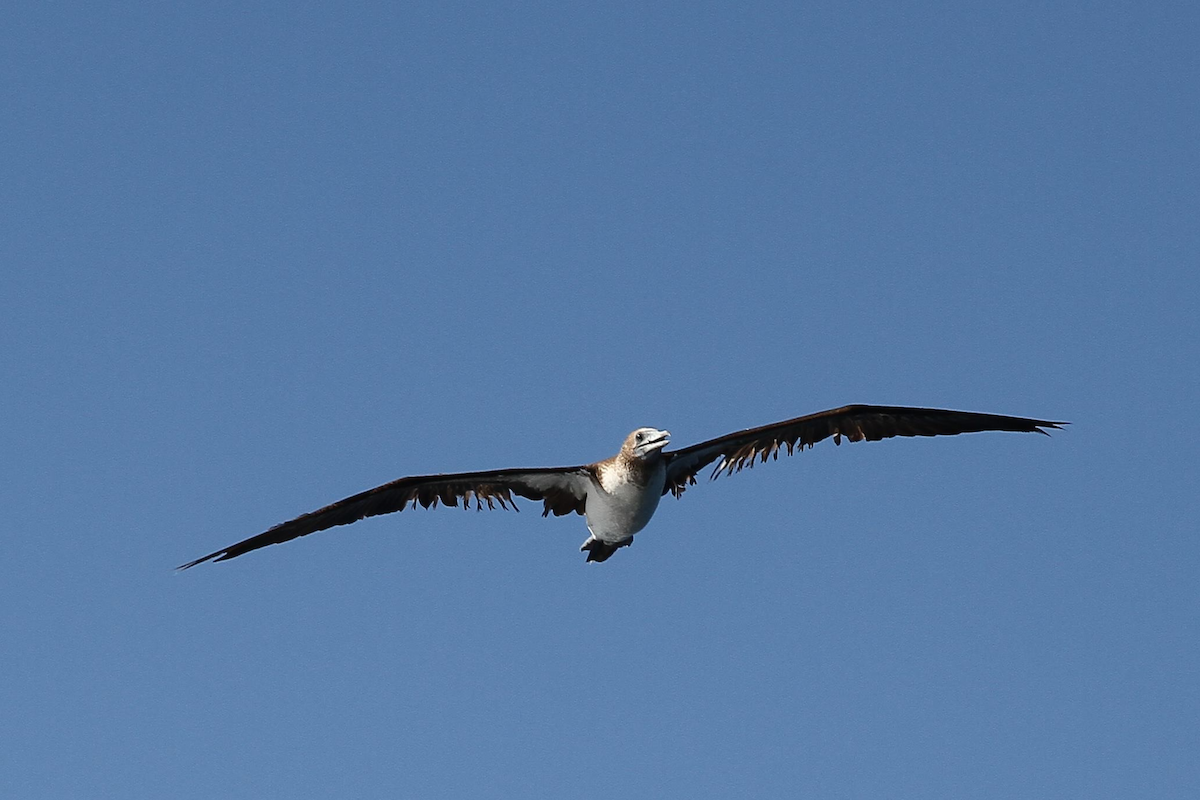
(220, 555)
(1057, 426)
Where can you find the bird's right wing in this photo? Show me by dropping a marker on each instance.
(562, 490)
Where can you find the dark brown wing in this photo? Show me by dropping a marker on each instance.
(856, 423)
(561, 489)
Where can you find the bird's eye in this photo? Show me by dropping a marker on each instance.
(641, 436)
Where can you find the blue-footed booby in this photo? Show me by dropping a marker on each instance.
(619, 495)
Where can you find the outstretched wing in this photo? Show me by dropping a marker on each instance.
(561, 489)
(857, 423)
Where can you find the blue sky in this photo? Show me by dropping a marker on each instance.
(259, 258)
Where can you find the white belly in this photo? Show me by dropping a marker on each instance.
(623, 508)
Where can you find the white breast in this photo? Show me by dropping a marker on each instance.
(621, 508)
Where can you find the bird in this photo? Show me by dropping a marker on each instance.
(617, 496)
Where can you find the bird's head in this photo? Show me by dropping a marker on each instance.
(645, 443)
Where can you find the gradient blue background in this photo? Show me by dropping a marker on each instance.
(255, 258)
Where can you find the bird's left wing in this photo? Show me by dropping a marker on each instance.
(562, 490)
(857, 423)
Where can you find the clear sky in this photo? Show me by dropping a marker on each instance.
(257, 257)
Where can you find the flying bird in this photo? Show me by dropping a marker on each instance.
(619, 495)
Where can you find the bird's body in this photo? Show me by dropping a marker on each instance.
(624, 503)
(619, 495)
(624, 495)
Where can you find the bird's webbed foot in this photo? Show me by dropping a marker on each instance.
(598, 550)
